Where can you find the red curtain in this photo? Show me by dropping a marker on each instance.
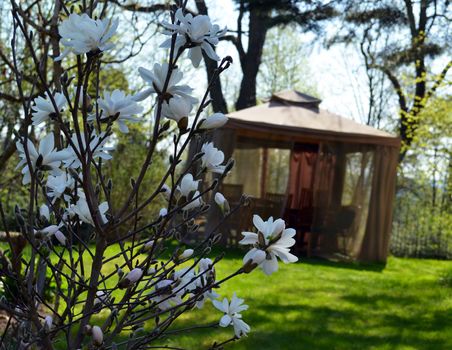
(301, 176)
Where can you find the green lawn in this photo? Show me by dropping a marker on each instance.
(321, 305)
(316, 304)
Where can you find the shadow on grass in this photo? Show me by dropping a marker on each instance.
(322, 327)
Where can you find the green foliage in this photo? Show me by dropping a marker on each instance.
(423, 211)
(284, 64)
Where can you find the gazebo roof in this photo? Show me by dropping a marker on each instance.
(298, 116)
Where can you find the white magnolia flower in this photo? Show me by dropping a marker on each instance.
(185, 279)
(57, 185)
(187, 185)
(165, 297)
(48, 321)
(81, 209)
(206, 273)
(232, 315)
(54, 230)
(118, 103)
(221, 202)
(166, 191)
(176, 108)
(131, 278)
(216, 120)
(148, 245)
(98, 335)
(186, 254)
(212, 158)
(96, 145)
(101, 297)
(43, 107)
(273, 240)
(194, 203)
(157, 79)
(198, 32)
(44, 212)
(82, 34)
(163, 212)
(49, 158)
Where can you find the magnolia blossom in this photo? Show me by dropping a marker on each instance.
(185, 254)
(187, 185)
(216, 120)
(119, 105)
(186, 188)
(221, 201)
(98, 335)
(212, 158)
(131, 278)
(176, 108)
(206, 272)
(81, 209)
(157, 79)
(48, 321)
(44, 212)
(54, 230)
(185, 279)
(197, 32)
(57, 185)
(149, 244)
(43, 107)
(163, 295)
(195, 202)
(96, 145)
(81, 34)
(101, 297)
(49, 158)
(166, 191)
(232, 315)
(272, 240)
(163, 212)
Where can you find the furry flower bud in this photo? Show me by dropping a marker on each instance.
(131, 278)
(98, 335)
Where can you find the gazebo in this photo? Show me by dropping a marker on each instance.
(331, 178)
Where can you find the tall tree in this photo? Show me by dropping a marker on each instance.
(254, 19)
(401, 39)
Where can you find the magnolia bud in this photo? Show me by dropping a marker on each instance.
(98, 335)
(148, 245)
(48, 321)
(120, 272)
(186, 254)
(100, 297)
(163, 212)
(216, 120)
(166, 191)
(88, 329)
(222, 202)
(131, 278)
(44, 212)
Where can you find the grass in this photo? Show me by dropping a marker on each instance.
(317, 304)
(322, 305)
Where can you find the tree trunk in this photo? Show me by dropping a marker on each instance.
(258, 26)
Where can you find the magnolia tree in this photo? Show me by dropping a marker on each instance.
(156, 278)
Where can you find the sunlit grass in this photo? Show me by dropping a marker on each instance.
(323, 305)
(320, 305)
